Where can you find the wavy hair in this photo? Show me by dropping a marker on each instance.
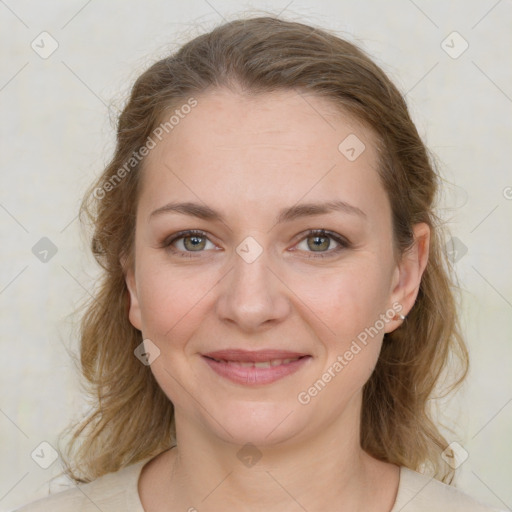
(259, 55)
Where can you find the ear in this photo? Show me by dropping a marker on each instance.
(408, 273)
(134, 313)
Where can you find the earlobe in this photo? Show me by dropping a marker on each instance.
(134, 314)
(409, 273)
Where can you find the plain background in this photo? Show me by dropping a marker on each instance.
(57, 135)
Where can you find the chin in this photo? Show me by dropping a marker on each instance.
(262, 424)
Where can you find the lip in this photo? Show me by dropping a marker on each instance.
(254, 356)
(226, 363)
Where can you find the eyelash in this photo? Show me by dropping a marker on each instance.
(343, 242)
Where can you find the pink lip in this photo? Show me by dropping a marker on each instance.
(254, 356)
(226, 365)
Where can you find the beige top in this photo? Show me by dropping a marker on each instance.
(118, 492)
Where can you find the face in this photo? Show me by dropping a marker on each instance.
(257, 305)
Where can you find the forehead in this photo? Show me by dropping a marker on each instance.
(301, 122)
(268, 149)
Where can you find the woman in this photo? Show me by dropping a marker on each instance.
(276, 310)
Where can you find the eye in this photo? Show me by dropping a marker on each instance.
(188, 242)
(319, 240)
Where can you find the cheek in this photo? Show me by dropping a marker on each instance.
(171, 299)
(349, 306)
(347, 300)
(172, 307)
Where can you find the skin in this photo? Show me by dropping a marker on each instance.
(248, 157)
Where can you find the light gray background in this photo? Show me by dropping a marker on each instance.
(56, 136)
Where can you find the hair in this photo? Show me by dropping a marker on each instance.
(132, 418)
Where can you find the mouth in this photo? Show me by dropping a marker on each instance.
(258, 364)
(255, 368)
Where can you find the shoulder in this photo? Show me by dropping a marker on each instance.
(113, 492)
(420, 493)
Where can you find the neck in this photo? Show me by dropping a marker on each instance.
(309, 472)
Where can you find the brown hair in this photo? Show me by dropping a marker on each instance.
(132, 418)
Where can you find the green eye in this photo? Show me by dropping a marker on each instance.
(193, 241)
(318, 241)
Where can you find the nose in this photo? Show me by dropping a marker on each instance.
(253, 295)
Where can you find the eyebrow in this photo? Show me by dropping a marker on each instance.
(285, 215)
